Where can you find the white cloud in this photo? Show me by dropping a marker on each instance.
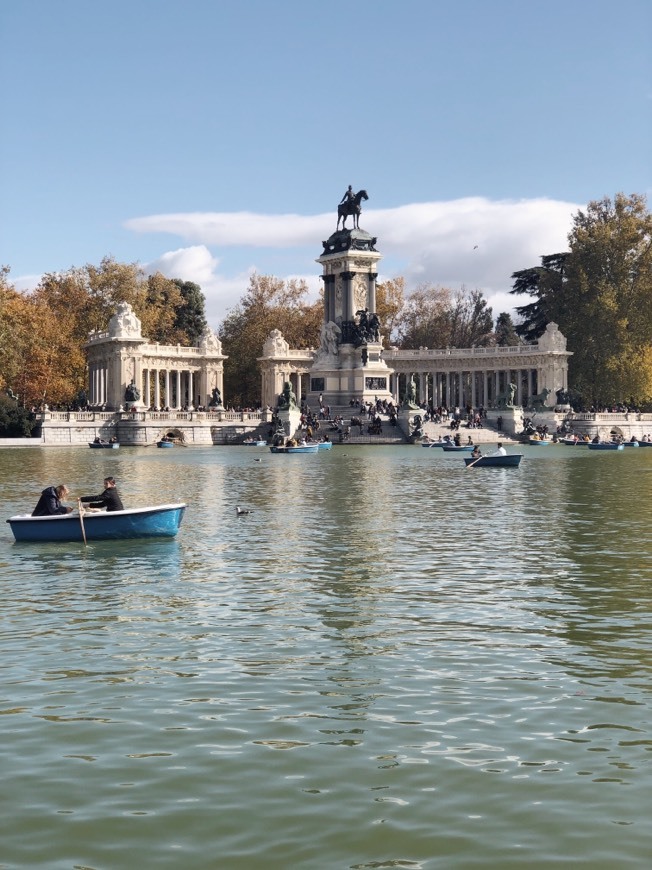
(473, 242)
(197, 264)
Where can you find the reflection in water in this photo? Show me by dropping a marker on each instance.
(390, 659)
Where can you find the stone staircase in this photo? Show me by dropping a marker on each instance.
(351, 434)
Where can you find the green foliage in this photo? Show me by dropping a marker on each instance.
(546, 284)
(600, 295)
(505, 332)
(15, 420)
(190, 315)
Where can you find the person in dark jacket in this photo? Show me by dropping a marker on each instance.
(49, 503)
(108, 499)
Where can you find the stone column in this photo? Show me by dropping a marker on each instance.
(485, 388)
(168, 403)
(191, 389)
(371, 293)
(529, 383)
(349, 306)
(157, 388)
(329, 298)
(448, 390)
(519, 387)
(148, 388)
(473, 391)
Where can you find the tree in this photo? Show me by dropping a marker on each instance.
(600, 295)
(505, 332)
(15, 420)
(546, 284)
(268, 303)
(390, 299)
(436, 317)
(190, 318)
(471, 320)
(609, 326)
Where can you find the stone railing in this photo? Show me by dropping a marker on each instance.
(217, 416)
(79, 416)
(425, 353)
(612, 417)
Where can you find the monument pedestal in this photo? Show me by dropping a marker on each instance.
(349, 364)
(290, 418)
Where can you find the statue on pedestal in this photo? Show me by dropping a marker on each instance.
(410, 397)
(132, 393)
(350, 205)
(287, 399)
(216, 399)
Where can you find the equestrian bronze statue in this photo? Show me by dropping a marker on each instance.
(350, 205)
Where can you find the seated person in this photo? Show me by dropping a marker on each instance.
(476, 453)
(500, 451)
(49, 503)
(108, 499)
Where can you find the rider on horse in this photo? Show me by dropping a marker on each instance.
(349, 196)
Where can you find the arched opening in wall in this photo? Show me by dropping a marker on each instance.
(175, 435)
(616, 434)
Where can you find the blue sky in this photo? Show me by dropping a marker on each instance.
(212, 138)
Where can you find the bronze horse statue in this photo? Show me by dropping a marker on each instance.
(352, 207)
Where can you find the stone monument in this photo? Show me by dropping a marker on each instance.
(349, 364)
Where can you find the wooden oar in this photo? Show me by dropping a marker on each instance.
(81, 520)
(471, 464)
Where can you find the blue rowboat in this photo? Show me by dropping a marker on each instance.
(454, 448)
(254, 443)
(324, 445)
(606, 445)
(103, 445)
(512, 460)
(436, 443)
(645, 443)
(300, 448)
(165, 443)
(539, 442)
(160, 521)
(630, 443)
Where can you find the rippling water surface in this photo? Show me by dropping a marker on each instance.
(391, 662)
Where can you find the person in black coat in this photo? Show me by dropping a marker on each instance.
(108, 499)
(49, 503)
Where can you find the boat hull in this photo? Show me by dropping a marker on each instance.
(606, 447)
(324, 445)
(463, 448)
(165, 443)
(95, 446)
(159, 521)
(512, 460)
(302, 448)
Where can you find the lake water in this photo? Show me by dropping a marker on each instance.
(391, 662)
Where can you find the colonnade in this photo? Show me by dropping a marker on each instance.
(174, 389)
(98, 374)
(459, 388)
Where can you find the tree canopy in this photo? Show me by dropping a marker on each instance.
(42, 333)
(600, 295)
(268, 303)
(437, 317)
